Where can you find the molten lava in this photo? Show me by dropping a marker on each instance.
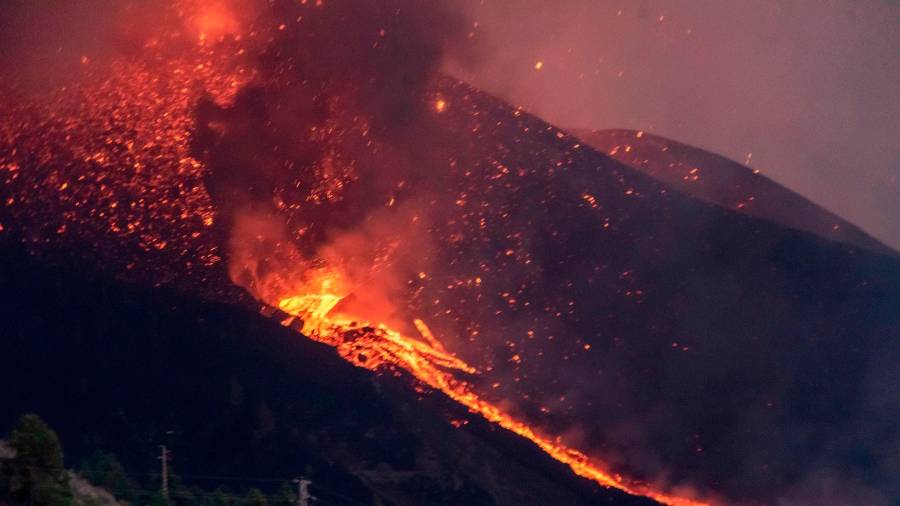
(376, 346)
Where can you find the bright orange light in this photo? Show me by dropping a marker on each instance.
(539, 65)
(213, 21)
(315, 305)
(440, 105)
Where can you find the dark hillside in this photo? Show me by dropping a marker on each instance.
(242, 401)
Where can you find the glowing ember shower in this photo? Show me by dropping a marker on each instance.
(312, 297)
(376, 346)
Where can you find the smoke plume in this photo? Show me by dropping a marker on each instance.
(326, 154)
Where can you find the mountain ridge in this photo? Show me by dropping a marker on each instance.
(721, 181)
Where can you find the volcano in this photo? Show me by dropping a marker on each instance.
(452, 244)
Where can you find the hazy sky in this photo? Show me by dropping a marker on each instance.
(810, 87)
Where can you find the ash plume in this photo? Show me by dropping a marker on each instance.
(340, 115)
(326, 154)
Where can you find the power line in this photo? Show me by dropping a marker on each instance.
(188, 493)
(175, 494)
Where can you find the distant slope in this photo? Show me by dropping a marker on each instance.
(243, 401)
(724, 182)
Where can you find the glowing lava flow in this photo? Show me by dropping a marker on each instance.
(374, 346)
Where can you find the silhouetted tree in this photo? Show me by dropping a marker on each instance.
(284, 496)
(221, 497)
(105, 470)
(155, 499)
(36, 475)
(255, 497)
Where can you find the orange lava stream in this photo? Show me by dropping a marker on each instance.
(376, 346)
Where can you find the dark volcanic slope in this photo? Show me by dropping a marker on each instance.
(242, 401)
(670, 336)
(718, 180)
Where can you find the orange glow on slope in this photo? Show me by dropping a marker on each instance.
(109, 157)
(375, 346)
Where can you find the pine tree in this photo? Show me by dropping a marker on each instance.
(105, 470)
(284, 496)
(37, 476)
(255, 497)
(221, 497)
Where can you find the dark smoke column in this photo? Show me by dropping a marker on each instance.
(334, 126)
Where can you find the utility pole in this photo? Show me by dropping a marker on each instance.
(303, 497)
(164, 457)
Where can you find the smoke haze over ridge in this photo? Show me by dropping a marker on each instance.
(808, 87)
